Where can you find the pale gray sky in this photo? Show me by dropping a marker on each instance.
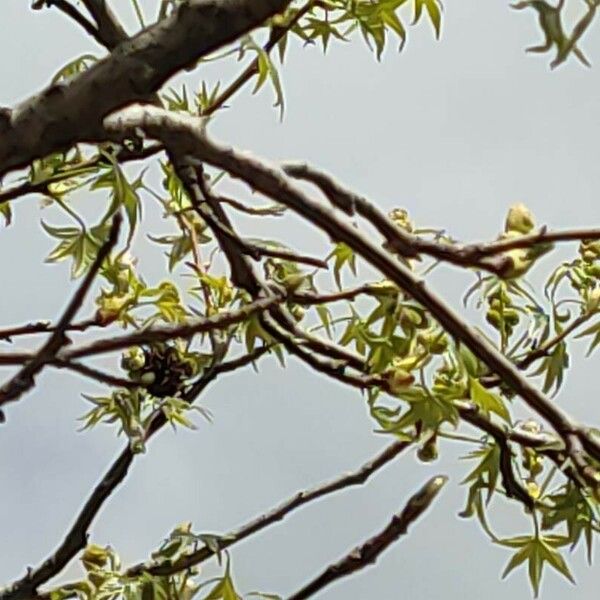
(455, 131)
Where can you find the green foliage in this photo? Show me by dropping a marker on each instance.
(416, 375)
(78, 244)
(163, 372)
(106, 579)
(537, 551)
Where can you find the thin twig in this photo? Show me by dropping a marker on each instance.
(25, 379)
(543, 236)
(45, 327)
(96, 374)
(358, 477)
(312, 298)
(277, 33)
(367, 553)
(76, 538)
(261, 211)
(543, 349)
(290, 255)
(169, 332)
(73, 13)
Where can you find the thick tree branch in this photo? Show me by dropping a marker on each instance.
(367, 553)
(25, 379)
(66, 113)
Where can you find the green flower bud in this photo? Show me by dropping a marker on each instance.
(133, 359)
(398, 379)
(520, 219)
(520, 264)
(298, 312)
(589, 250)
(592, 301)
(147, 379)
(401, 219)
(494, 318)
(94, 557)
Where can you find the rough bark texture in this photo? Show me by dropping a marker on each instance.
(63, 114)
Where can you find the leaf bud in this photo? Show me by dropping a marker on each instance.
(520, 219)
(398, 379)
(94, 557)
(428, 452)
(592, 301)
(133, 359)
(400, 218)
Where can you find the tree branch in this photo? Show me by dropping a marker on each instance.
(110, 31)
(45, 327)
(543, 349)
(479, 255)
(358, 477)
(24, 380)
(73, 13)
(368, 552)
(66, 113)
(76, 538)
(312, 298)
(169, 332)
(93, 373)
(261, 211)
(543, 236)
(186, 134)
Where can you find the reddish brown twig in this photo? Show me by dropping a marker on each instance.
(368, 552)
(358, 477)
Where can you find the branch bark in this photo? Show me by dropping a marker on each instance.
(66, 113)
(368, 552)
(358, 477)
(110, 30)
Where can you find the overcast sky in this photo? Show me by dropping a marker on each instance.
(455, 131)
